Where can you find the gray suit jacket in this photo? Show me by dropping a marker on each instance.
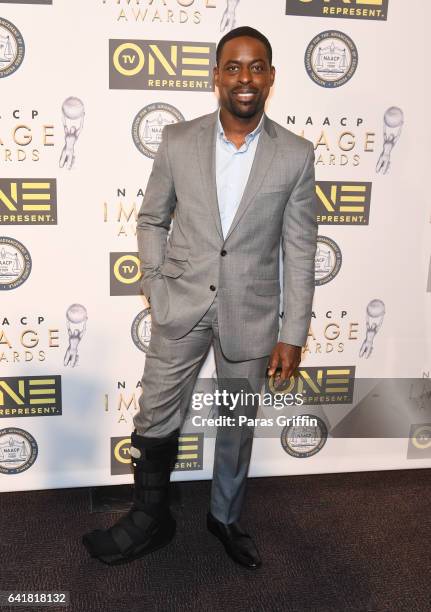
(180, 272)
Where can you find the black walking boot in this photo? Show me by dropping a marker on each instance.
(149, 524)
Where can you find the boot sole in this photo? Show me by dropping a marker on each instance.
(160, 540)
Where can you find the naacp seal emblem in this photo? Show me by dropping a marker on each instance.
(302, 441)
(18, 450)
(148, 126)
(331, 59)
(12, 48)
(327, 262)
(141, 330)
(15, 263)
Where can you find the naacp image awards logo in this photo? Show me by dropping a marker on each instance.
(148, 126)
(12, 48)
(141, 330)
(331, 59)
(15, 263)
(18, 450)
(303, 441)
(327, 262)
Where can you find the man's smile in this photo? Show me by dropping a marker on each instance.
(245, 95)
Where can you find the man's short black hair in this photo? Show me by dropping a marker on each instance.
(244, 31)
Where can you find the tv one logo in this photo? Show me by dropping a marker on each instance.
(343, 203)
(161, 65)
(344, 9)
(30, 396)
(28, 201)
(189, 457)
(125, 273)
(317, 384)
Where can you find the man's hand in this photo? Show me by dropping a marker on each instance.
(286, 356)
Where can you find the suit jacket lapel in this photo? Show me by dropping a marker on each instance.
(207, 160)
(265, 151)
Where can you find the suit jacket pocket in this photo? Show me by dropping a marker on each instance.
(269, 192)
(266, 287)
(178, 253)
(171, 269)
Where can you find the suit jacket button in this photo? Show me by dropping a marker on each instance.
(223, 253)
(212, 287)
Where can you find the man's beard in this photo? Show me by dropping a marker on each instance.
(245, 111)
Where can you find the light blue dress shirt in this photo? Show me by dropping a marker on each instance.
(232, 171)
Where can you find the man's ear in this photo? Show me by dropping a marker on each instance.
(215, 75)
(272, 75)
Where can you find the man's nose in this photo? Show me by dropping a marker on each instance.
(245, 75)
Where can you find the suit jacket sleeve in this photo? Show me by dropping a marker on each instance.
(299, 241)
(154, 217)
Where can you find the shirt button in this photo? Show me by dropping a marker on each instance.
(212, 287)
(223, 253)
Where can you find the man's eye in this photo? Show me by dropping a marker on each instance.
(231, 68)
(258, 68)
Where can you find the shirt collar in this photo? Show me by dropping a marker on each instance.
(248, 138)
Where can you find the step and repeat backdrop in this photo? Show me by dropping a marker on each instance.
(86, 87)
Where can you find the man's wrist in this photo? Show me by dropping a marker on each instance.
(293, 340)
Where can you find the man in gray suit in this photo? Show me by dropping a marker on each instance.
(238, 185)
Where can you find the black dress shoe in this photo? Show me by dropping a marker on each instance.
(238, 544)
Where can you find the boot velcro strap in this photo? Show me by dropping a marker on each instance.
(126, 534)
(142, 519)
(152, 479)
(152, 496)
(121, 538)
(146, 465)
(162, 452)
(157, 511)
